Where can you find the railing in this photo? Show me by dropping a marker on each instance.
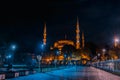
(17, 73)
(52, 68)
(110, 65)
(14, 74)
(2, 76)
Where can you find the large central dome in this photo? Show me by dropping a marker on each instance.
(60, 44)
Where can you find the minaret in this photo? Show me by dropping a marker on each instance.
(83, 40)
(44, 35)
(77, 35)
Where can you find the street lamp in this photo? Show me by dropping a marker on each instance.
(13, 47)
(12, 51)
(57, 52)
(116, 41)
(103, 54)
(8, 59)
(104, 50)
(65, 58)
(9, 56)
(55, 62)
(98, 56)
(42, 46)
(39, 57)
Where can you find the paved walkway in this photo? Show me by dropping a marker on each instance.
(79, 73)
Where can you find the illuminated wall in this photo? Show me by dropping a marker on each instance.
(60, 44)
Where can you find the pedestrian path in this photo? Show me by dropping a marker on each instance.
(74, 73)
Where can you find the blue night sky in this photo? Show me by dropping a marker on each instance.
(23, 22)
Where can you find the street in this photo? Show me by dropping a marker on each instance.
(73, 73)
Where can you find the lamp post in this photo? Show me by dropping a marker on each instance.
(104, 52)
(55, 61)
(42, 48)
(13, 47)
(65, 59)
(98, 57)
(8, 57)
(12, 50)
(39, 57)
(9, 62)
(116, 41)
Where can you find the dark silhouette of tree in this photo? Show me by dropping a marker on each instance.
(92, 47)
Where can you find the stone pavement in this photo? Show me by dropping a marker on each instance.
(74, 73)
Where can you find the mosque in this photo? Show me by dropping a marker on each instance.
(79, 45)
(60, 43)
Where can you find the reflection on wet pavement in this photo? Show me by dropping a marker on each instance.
(74, 73)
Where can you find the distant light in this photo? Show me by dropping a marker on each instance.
(104, 50)
(9, 56)
(57, 52)
(116, 40)
(13, 47)
(64, 55)
(39, 57)
(98, 54)
(47, 60)
(42, 46)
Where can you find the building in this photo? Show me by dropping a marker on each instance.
(80, 43)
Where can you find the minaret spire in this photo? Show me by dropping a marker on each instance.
(44, 34)
(77, 35)
(83, 40)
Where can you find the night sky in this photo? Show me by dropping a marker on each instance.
(22, 23)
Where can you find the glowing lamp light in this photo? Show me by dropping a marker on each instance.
(78, 41)
(104, 50)
(42, 46)
(65, 55)
(98, 54)
(47, 60)
(13, 47)
(9, 56)
(57, 52)
(116, 40)
(39, 57)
